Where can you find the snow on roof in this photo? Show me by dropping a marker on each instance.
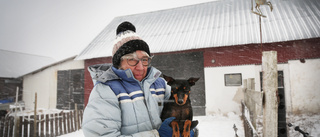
(214, 24)
(15, 64)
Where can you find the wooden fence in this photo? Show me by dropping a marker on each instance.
(251, 107)
(249, 130)
(47, 125)
(256, 101)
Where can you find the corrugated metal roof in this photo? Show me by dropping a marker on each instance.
(214, 24)
(15, 64)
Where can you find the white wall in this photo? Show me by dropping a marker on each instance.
(301, 83)
(305, 86)
(45, 84)
(219, 98)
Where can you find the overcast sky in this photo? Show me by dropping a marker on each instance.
(63, 28)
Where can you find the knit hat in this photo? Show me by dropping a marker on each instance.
(127, 41)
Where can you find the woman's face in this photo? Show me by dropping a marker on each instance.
(141, 59)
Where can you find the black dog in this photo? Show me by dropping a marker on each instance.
(179, 106)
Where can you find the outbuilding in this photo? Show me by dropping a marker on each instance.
(58, 85)
(13, 66)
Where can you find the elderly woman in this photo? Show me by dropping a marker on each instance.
(127, 96)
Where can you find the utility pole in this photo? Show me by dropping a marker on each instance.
(270, 87)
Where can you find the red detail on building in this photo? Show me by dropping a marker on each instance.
(252, 53)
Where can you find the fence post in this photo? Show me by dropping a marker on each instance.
(270, 86)
(60, 123)
(17, 126)
(16, 119)
(81, 118)
(245, 90)
(71, 120)
(35, 116)
(56, 121)
(47, 125)
(68, 121)
(25, 125)
(11, 125)
(52, 133)
(76, 116)
(64, 123)
(41, 123)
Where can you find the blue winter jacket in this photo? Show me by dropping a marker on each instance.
(120, 105)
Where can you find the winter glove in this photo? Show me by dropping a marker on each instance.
(191, 133)
(165, 130)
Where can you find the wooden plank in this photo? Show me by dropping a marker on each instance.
(11, 121)
(256, 96)
(245, 90)
(81, 116)
(35, 123)
(251, 84)
(41, 125)
(270, 86)
(56, 122)
(71, 121)
(60, 124)
(64, 123)
(25, 126)
(19, 127)
(31, 121)
(6, 127)
(68, 122)
(76, 121)
(47, 125)
(51, 126)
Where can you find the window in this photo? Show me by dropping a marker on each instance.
(234, 79)
(280, 80)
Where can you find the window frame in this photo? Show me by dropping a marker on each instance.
(228, 84)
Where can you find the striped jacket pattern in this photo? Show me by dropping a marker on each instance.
(119, 105)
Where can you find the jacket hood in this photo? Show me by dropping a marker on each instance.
(102, 73)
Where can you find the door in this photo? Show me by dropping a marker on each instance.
(70, 89)
(282, 126)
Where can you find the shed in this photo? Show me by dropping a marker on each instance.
(58, 85)
(13, 66)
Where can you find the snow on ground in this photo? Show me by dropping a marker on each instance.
(209, 126)
(222, 126)
(219, 125)
(307, 123)
(78, 133)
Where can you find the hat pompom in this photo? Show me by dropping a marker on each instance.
(124, 26)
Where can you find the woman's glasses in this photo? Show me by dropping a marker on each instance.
(134, 61)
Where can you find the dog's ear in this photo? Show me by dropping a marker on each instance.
(169, 80)
(192, 81)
